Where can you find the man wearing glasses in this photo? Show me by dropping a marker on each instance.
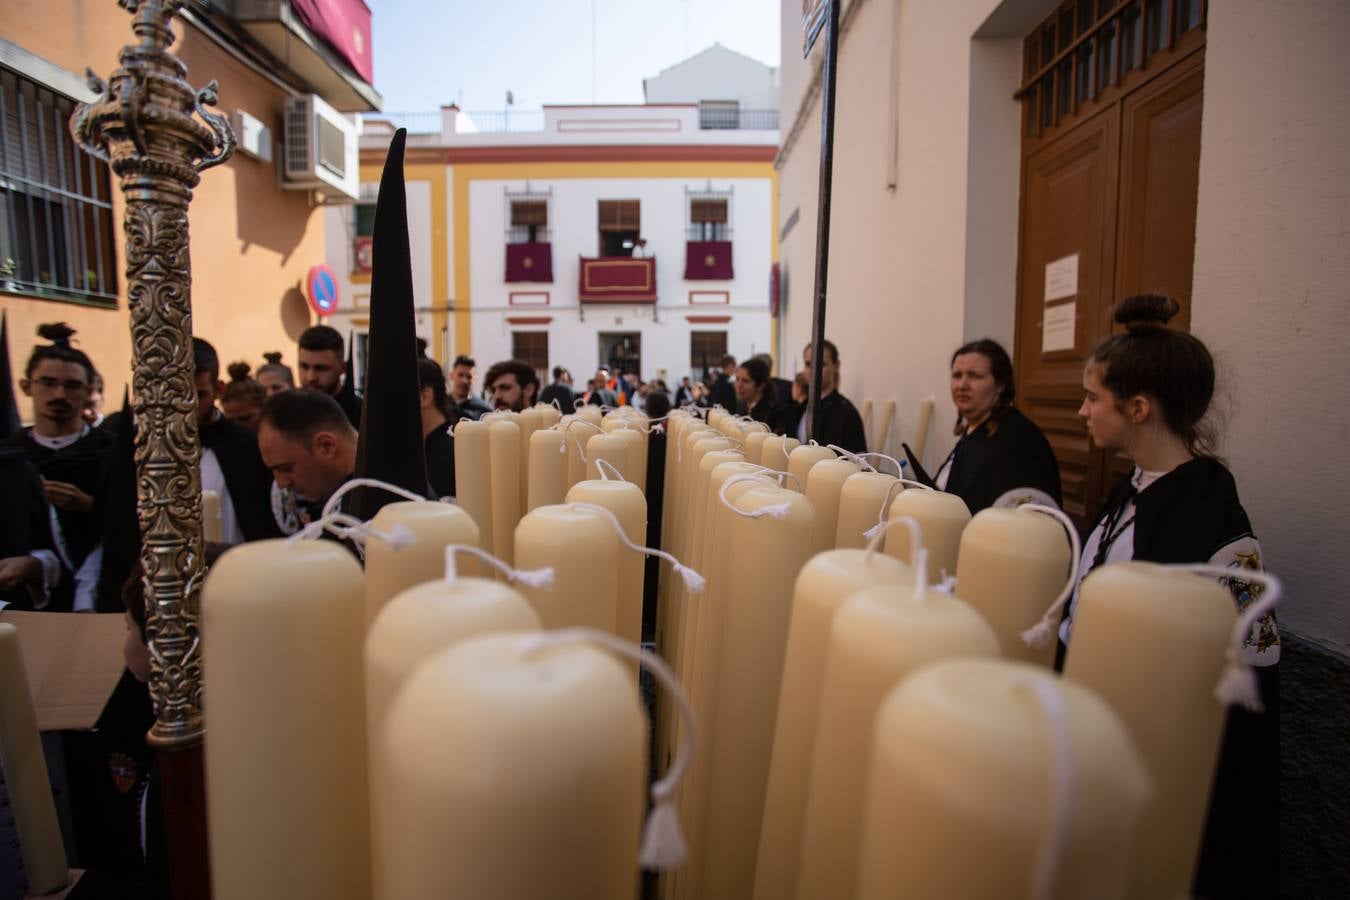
(69, 454)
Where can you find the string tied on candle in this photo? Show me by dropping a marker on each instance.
(601, 464)
(350, 528)
(663, 843)
(627, 424)
(1046, 866)
(1040, 634)
(885, 504)
(355, 483)
(899, 466)
(679, 447)
(778, 474)
(919, 555)
(692, 580)
(568, 427)
(555, 404)
(578, 403)
(852, 457)
(773, 510)
(535, 578)
(1237, 685)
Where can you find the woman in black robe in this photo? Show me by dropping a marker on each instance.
(1147, 392)
(1002, 458)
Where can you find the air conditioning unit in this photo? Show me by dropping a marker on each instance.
(321, 149)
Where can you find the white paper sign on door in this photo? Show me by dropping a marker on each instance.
(1061, 278)
(1057, 329)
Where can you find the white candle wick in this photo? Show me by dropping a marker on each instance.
(774, 510)
(692, 580)
(603, 464)
(899, 466)
(535, 578)
(1238, 686)
(663, 844)
(779, 475)
(1039, 635)
(851, 457)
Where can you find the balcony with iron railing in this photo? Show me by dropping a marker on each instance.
(527, 121)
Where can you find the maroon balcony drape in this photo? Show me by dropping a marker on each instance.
(617, 279)
(529, 262)
(707, 261)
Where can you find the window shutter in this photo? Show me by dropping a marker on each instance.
(529, 212)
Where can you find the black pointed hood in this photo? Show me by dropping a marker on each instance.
(390, 446)
(346, 396)
(117, 513)
(10, 424)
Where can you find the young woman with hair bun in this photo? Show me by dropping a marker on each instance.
(243, 398)
(1147, 392)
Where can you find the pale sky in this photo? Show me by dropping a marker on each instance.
(434, 52)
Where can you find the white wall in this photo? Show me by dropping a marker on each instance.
(573, 343)
(1272, 279)
(716, 74)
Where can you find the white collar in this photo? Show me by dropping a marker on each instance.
(59, 443)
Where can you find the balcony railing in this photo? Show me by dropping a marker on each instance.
(532, 120)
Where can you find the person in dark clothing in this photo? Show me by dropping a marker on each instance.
(322, 369)
(1147, 391)
(69, 455)
(231, 464)
(560, 390)
(658, 406)
(461, 389)
(29, 567)
(780, 389)
(753, 391)
(305, 439)
(438, 415)
(1002, 458)
(723, 390)
(840, 423)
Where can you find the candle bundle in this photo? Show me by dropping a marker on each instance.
(824, 483)
(429, 527)
(942, 518)
(863, 500)
(626, 502)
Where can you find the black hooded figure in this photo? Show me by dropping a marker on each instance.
(10, 423)
(390, 446)
(348, 397)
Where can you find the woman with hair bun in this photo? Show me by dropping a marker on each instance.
(274, 375)
(1146, 394)
(243, 398)
(1002, 457)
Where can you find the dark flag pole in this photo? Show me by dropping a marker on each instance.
(829, 72)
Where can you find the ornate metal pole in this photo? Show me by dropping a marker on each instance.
(154, 130)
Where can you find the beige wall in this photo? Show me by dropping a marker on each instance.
(251, 243)
(1272, 285)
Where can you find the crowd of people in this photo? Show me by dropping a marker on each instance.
(278, 443)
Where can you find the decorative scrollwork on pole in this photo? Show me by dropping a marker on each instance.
(156, 132)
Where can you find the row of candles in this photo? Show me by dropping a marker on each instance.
(867, 726)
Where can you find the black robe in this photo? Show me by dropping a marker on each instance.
(440, 448)
(986, 466)
(25, 521)
(1186, 516)
(560, 392)
(763, 411)
(246, 476)
(723, 393)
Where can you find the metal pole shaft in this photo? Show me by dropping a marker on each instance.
(829, 77)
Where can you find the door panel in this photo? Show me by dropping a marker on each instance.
(1068, 207)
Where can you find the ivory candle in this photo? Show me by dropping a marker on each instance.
(942, 518)
(30, 793)
(800, 462)
(959, 787)
(862, 500)
(629, 506)
(1012, 565)
(823, 585)
(529, 421)
(548, 469)
(613, 450)
(824, 484)
(1151, 642)
(213, 526)
(636, 442)
(881, 440)
(589, 412)
(504, 444)
(392, 570)
(414, 626)
(515, 776)
(921, 432)
(766, 555)
(775, 453)
(285, 748)
(473, 476)
(754, 446)
(578, 432)
(584, 552)
(877, 637)
(549, 415)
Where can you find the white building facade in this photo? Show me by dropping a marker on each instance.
(640, 237)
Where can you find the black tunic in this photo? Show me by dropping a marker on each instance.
(246, 476)
(25, 523)
(440, 449)
(985, 465)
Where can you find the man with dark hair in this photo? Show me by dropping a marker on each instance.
(723, 391)
(513, 384)
(461, 388)
(560, 390)
(322, 367)
(307, 442)
(839, 423)
(231, 465)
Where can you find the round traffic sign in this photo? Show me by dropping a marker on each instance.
(321, 289)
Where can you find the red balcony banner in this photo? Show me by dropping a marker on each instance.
(345, 26)
(707, 261)
(618, 279)
(529, 262)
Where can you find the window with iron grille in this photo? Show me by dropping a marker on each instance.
(56, 226)
(709, 215)
(719, 114)
(529, 222)
(620, 226)
(706, 349)
(532, 347)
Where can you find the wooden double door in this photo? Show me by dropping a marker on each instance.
(1108, 210)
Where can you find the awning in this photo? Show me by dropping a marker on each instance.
(326, 43)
